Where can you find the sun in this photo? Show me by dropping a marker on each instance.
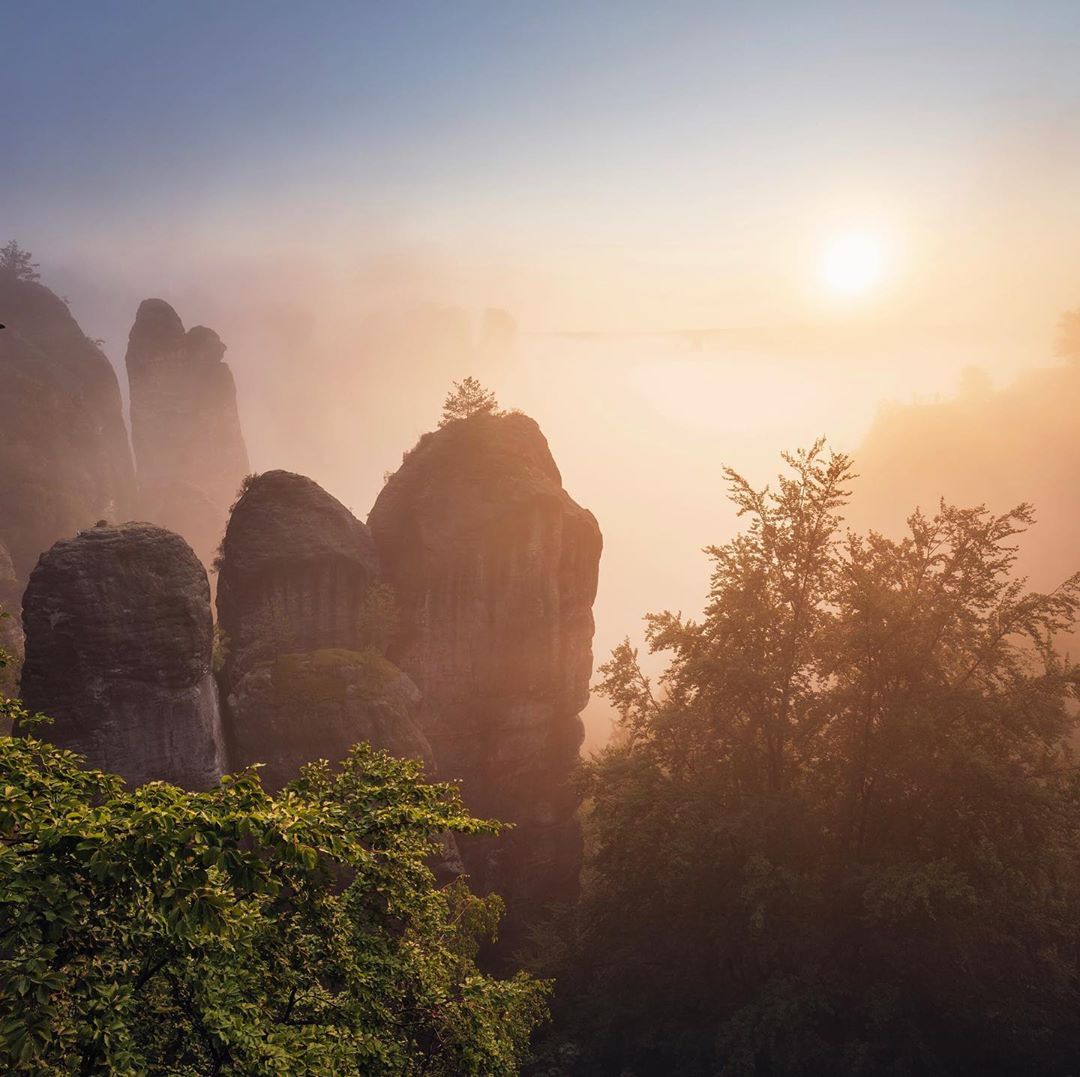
(853, 263)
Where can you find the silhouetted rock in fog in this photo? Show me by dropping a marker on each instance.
(304, 677)
(189, 449)
(495, 571)
(64, 456)
(119, 641)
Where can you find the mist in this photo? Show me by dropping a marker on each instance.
(340, 371)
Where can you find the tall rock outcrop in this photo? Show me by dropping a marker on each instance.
(494, 567)
(64, 456)
(300, 610)
(11, 641)
(189, 451)
(119, 643)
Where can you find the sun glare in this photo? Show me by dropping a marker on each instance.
(852, 264)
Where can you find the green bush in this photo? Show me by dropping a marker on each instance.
(154, 930)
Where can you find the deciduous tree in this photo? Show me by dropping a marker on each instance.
(154, 930)
(840, 835)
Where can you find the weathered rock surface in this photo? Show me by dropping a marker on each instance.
(189, 450)
(303, 676)
(494, 568)
(119, 645)
(64, 456)
(317, 704)
(11, 639)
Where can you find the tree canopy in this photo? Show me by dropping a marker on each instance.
(154, 930)
(17, 264)
(467, 398)
(840, 835)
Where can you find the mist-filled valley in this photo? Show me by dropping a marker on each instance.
(337, 382)
(540, 540)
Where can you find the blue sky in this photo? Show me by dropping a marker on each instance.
(647, 131)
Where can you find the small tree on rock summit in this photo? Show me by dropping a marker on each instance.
(15, 263)
(466, 399)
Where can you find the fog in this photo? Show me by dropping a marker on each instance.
(339, 372)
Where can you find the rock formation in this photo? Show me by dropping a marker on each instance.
(300, 612)
(494, 568)
(119, 641)
(189, 450)
(64, 457)
(11, 641)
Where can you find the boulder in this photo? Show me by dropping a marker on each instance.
(119, 643)
(298, 604)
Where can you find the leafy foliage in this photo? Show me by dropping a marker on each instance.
(841, 834)
(466, 399)
(16, 264)
(160, 931)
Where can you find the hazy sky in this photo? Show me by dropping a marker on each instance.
(614, 165)
(320, 182)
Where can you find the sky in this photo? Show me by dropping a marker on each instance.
(340, 189)
(593, 166)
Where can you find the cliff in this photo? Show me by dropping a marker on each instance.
(495, 570)
(64, 457)
(189, 449)
(304, 677)
(119, 641)
(11, 640)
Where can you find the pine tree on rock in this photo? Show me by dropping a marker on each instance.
(15, 263)
(466, 399)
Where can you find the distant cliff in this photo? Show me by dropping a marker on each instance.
(985, 445)
(189, 450)
(64, 456)
(495, 570)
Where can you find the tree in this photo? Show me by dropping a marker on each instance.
(1068, 345)
(15, 263)
(466, 399)
(154, 930)
(841, 835)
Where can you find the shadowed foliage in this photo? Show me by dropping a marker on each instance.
(841, 834)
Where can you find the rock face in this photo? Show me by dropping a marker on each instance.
(11, 640)
(119, 641)
(304, 677)
(64, 457)
(189, 450)
(494, 568)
